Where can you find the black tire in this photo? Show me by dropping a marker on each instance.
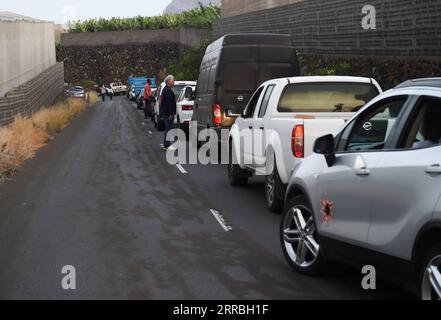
(434, 253)
(237, 176)
(274, 191)
(319, 266)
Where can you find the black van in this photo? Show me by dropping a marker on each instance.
(233, 68)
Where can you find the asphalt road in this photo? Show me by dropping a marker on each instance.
(102, 198)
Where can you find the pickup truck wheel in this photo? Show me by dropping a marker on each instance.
(237, 176)
(298, 237)
(430, 275)
(274, 191)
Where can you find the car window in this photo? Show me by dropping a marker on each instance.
(249, 111)
(423, 130)
(373, 127)
(265, 101)
(326, 97)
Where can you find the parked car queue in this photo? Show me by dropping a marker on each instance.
(356, 171)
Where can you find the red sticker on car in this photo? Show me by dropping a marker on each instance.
(327, 210)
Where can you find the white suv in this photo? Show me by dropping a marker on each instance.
(372, 195)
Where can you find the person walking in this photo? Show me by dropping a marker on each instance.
(168, 107)
(147, 99)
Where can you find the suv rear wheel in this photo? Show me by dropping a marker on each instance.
(430, 275)
(298, 236)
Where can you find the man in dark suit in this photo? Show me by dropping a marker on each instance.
(168, 107)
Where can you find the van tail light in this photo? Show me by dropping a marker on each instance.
(298, 141)
(187, 108)
(217, 114)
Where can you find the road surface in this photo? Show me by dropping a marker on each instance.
(102, 198)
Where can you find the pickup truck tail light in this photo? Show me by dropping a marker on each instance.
(298, 141)
(217, 114)
(187, 108)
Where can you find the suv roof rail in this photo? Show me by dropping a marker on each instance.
(424, 82)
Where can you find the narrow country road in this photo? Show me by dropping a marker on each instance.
(102, 198)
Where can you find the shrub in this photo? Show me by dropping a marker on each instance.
(196, 18)
(21, 139)
(188, 67)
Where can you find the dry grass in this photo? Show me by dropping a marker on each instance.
(20, 140)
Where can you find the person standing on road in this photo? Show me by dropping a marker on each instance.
(168, 107)
(110, 92)
(103, 92)
(147, 98)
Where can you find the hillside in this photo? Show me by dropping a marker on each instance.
(178, 6)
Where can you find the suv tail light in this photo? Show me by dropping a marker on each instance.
(187, 108)
(298, 141)
(217, 114)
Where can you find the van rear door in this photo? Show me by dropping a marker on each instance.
(240, 74)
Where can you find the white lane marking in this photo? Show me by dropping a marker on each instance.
(221, 220)
(181, 168)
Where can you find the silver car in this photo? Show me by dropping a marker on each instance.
(372, 195)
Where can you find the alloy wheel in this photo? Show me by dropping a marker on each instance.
(299, 235)
(431, 286)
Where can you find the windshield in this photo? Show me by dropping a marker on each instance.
(326, 97)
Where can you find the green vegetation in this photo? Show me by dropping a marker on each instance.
(316, 69)
(196, 18)
(188, 67)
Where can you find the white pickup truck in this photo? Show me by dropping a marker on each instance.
(118, 88)
(282, 121)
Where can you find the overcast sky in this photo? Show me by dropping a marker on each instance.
(61, 11)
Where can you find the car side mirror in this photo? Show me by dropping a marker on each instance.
(326, 146)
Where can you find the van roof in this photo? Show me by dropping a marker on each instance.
(250, 39)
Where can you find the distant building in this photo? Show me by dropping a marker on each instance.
(29, 49)
(30, 77)
(178, 6)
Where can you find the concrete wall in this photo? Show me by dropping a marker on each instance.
(32, 95)
(108, 56)
(27, 48)
(406, 43)
(237, 7)
(405, 28)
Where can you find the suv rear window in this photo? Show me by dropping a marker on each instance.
(326, 97)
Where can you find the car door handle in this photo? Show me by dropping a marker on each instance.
(250, 127)
(362, 172)
(434, 169)
(262, 128)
